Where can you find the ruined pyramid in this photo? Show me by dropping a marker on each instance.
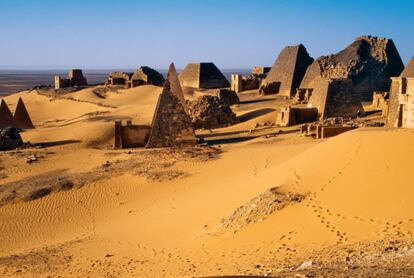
(203, 76)
(22, 117)
(171, 125)
(289, 69)
(369, 62)
(409, 69)
(6, 117)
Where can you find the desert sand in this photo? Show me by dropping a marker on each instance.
(275, 205)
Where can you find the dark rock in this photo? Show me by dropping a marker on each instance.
(10, 138)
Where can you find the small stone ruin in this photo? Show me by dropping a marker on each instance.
(131, 136)
(75, 79)
(142, 76)
(241, 83)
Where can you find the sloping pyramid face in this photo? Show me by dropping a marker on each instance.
(409, 69)
(175, 85)
(6, 117)
(171, 125)
(203, 76)
(289, 69)
(22, 117)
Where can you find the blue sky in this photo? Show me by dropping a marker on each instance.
(102, 34)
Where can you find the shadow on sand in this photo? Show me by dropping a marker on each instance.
(57, 143)
(253, 114)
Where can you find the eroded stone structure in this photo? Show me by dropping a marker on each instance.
(171, 125)
(369, 62)
(241, 83)
(335, 98)
(75, 78)
(401, 103)
(21, 116)
(287, 71)
(6, 117)
(142, 76)
(210, 112)
(401, 99)
(203, 76)
(131, 136)
(288, 116)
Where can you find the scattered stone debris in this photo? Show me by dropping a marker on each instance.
(209, 112)
(10, 138)
(260, 207)
(32, 158)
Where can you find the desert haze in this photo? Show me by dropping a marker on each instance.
(301, 169)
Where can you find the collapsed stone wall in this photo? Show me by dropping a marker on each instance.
(209, 112)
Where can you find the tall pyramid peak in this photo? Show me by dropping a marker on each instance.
(21, 116)
(175, 85)
(171, 125)
(409, 69)
(289, 68)
(6, 117)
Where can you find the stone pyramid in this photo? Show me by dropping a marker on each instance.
(289, 69)
(409, 69)
(203, 76)
(175, 85)
(369, 62)
(22, 117)
(6, 117)
(171, 125)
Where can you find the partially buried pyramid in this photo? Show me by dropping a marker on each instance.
(203, 76)
(22, 117)
(171, 125)
(6, 117)
(289, 69)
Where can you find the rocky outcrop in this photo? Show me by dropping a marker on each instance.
(10, 138)
(210, 112)
(369, 62)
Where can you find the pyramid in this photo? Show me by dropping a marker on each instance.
(175, 85)
(171, 125)
(289, 69)
(335, 98)
(6, 117)
(409, 69)
(369, 62)
(203, 76)
(22, 117)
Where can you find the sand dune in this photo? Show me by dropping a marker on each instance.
(197, 212)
